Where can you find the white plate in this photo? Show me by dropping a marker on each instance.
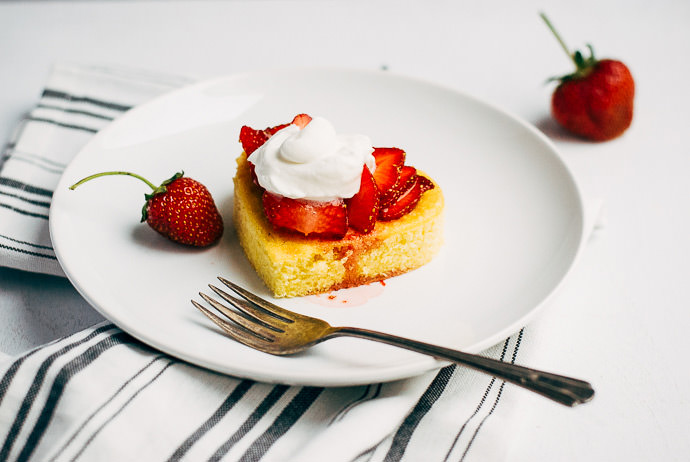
(514, 222)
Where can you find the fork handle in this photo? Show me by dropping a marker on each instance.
(564, 390)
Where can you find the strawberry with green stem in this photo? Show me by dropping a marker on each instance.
(596, 101)
(181, 209)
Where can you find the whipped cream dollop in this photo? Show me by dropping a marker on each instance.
(313, 163)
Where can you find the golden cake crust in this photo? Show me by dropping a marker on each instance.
(293, 265)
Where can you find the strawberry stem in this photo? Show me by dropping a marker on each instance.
(560, 40)
(91, 177)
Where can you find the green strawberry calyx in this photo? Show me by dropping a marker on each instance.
(583, 64)
(155, 190)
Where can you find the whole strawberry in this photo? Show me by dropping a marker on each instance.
(180, 209)
(596, 101)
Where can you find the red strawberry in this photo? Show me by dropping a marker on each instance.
(425, 183)
(180, 209)
(407, 175)
(389, 164)
(273, 130)
(252, 139)
(363, 207)
(404, 203)
(252, 172)
(301, 120)
(326, 220)
(596, 101)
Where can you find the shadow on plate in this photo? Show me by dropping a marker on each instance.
(555, 132)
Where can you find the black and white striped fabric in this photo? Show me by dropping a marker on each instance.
(100, 395)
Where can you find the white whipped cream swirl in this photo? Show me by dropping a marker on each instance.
(313, 163)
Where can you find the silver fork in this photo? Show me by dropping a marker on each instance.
(266, 327)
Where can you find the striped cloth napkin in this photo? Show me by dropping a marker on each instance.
(100, 395)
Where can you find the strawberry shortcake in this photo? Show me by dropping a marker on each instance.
(317, 211)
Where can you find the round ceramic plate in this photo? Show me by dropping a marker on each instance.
(513, 222)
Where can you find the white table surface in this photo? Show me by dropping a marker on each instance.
(624, 309)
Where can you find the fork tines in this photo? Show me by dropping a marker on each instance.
(252, 319)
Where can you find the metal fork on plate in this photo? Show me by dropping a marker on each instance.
(266, 327)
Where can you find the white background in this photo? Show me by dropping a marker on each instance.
(621, 320)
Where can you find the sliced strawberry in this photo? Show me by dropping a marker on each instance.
(252, 139)
(327, 220)
(270, 131)
(252, 172)
(363, 207)
(404, 203)
(425, 183)
(407, 175)
(301, 120)
(389, 164)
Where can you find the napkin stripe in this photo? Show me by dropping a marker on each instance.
(267, 403)
(30, 244)
(483, 400)
(11, 372)
(61, 124)
(121, 408)
(423, 406)
(340, 414)
(364, 397)
(68, 371)
(233, 398)
(481, 403)
(25, 187)
(370, 452)
(481, 424)
(35, 161)
(285, 420)
(70, 98)
(24, 212)
(24, 199)
(498, 396)
(102, 406)
(27, 252)
(20, 189)
(74, 111)
(9, 375)
(39, 378)
(51, 93)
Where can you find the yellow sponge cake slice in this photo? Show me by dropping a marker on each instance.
(292, 265)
